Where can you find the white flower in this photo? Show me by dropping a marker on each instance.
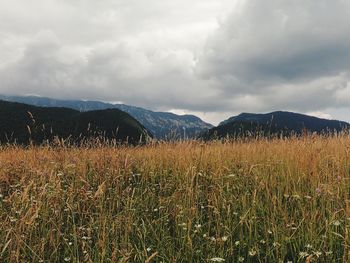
(252, 252)
(217, 260)
(148, 249)
(224, 238)
(240, 259)
(318, 253)
(67, 259)
(336, 223)
(303, 254)
(276, 244)
(237, 243)
(308, 246)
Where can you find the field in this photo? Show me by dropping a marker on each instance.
(234, 201)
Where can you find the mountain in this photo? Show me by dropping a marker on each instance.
(274, 123)
(23, 123)
(163, 125)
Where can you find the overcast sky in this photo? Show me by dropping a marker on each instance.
(213, 58)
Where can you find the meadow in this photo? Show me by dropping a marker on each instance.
(257, 200)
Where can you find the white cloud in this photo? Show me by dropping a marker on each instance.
(320, 114)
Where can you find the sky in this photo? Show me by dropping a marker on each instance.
(211, 58)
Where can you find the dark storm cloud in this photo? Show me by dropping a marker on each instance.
(282, 54)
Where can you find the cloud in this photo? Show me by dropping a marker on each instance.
(212, 58)
(281, 55)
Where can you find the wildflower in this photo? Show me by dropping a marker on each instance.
(269, 231)
(237, 243)
(198, 226)
(12, 219)
(217, 260)
(67, 259)
(276, 244)
(252, 252)
(328, 253)
(148, 249)
(336, 223)
(317, 253)
(262, 241)
(303, 254)
(318, 190)
(224, 238)
(308, 246)
(240, 259)
(213, 239)
(204, 235)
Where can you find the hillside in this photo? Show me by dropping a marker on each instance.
(21, 123)
(274, 123)
(163, 125)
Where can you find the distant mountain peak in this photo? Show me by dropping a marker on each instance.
(277, 122)
(163, 125)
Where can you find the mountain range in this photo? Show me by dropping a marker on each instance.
(275, 123)
(163, 125)
(77, 114)
(23, 123)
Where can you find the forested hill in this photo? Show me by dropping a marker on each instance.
(21, 123)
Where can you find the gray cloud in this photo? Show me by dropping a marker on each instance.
(282, 55)
(211, 58)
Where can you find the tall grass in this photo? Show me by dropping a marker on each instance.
(253, 201)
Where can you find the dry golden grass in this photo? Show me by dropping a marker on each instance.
(253, 201)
